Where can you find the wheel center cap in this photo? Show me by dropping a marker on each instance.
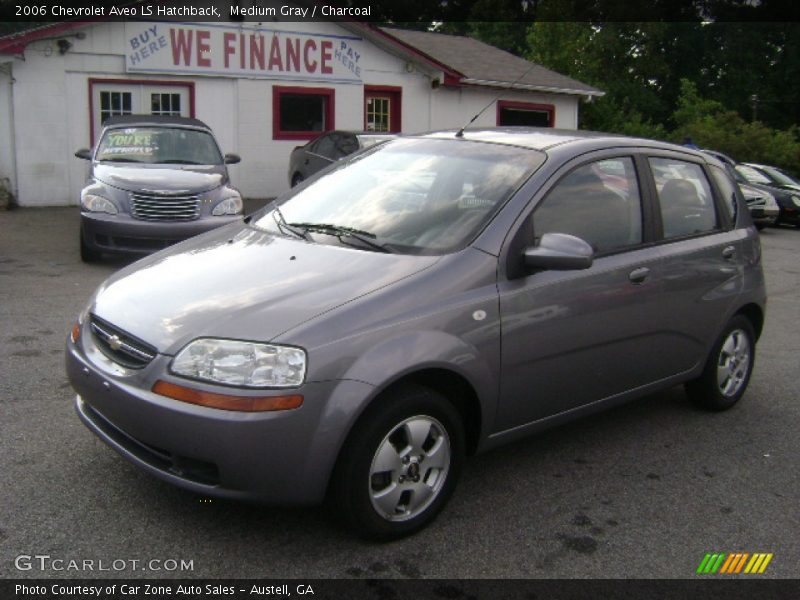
(413, 470)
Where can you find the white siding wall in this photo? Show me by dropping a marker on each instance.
(52, 120)
(6, 127)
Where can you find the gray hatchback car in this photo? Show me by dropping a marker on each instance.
(434, 297)
(153, 181)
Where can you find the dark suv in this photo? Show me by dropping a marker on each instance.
(153, 181)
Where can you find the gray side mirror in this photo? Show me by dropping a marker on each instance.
(559, 252)
(232, 159)
(84, 153)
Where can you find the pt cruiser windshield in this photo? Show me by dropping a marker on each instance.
(158, 145)
(429, 196)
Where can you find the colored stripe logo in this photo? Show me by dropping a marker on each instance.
(734, 563)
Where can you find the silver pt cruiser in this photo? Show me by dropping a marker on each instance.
(431, 298)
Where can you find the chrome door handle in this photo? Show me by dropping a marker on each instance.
(639, 275)
(729, 252)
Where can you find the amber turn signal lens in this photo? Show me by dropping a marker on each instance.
(75, 334)
(225, 401)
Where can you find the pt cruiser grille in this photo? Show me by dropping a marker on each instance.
(157, 207)
(119, 346)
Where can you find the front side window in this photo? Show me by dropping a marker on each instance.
(411, 196)
(598, 202)
(684, 197)
(158, 145)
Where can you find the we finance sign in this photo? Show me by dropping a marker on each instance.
(242, 52)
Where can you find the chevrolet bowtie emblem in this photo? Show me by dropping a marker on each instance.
(114, 342)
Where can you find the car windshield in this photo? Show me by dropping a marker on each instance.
(159, 145)
(778, 176)
(410, 196)
(752, 175)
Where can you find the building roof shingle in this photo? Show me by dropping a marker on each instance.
(483, 64)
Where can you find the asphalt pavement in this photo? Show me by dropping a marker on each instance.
(641, 491)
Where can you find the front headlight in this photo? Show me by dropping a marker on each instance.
(229, 206)
(796, 200)
(94, 203)
(246, 364)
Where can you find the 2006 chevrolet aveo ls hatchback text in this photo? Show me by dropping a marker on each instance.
(431, 298)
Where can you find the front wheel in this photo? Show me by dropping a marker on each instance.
(400, 464)
(727, 372)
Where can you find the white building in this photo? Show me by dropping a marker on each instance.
(262, 87)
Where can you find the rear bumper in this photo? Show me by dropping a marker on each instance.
(125, 235)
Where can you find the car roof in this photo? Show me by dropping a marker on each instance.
(545, 138)
(128, 120)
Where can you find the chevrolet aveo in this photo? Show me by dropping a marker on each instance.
(431, 298)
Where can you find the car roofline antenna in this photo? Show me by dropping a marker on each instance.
(460, 132)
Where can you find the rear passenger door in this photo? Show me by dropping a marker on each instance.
(699, 252)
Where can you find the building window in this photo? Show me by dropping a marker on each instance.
(115, 97)
(113, 104)
(165, 104)
(382, 108)
(301, 113)
(525, 114)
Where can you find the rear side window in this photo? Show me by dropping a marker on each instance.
(598, 202)
(684, 196)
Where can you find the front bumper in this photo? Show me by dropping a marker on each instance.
(123, 234)
(281, 457)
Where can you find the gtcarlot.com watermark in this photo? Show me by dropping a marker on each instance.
(45, 562)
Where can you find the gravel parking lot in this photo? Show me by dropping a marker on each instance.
(644, 490)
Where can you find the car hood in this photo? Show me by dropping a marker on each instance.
(241, 283)
(172, 179)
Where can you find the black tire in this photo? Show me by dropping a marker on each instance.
(297, 179)
(386, 425)
(728, 369)
(87, 254)
(761, 226)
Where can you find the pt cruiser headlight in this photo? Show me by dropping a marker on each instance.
(229, 206)
(94, 203)
(245, 364)
(796, 200)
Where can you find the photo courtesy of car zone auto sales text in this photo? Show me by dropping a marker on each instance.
(296, 302)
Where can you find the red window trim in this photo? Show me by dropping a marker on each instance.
(396, 94)
(550, 109)
(189, 85)
(279, 90)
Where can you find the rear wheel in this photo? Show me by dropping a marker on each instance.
(727, 372)
(400, 464)
(87, 254)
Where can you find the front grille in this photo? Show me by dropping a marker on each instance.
(119, 346)
(162, 207)
(757, 201)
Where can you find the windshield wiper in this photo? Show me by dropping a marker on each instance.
(119, 159)
(283, 225)
(340, 231)
(179, 161)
